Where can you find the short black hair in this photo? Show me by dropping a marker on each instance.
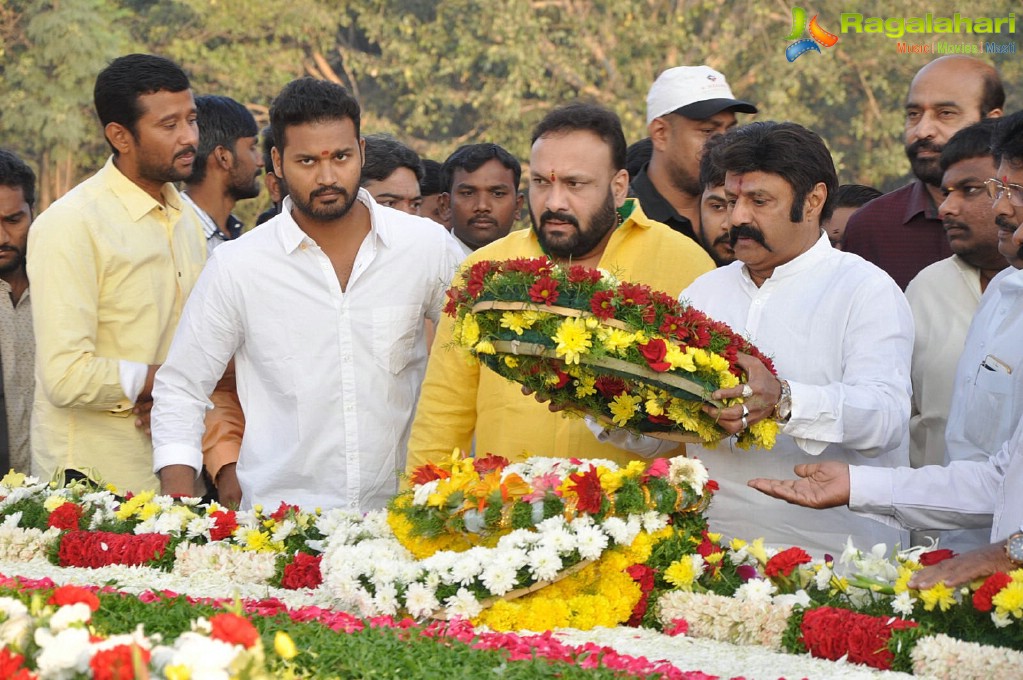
(15, 173)
(582, 116)
(431, 183)
(119, 86)
(308, 100)
(471, 158)
(222, 122)
(711, 172)
(638, 154)
(1007, 143)
(973, 141)
(855, 195)
(384, 155)
(992, 94)
(794, 153)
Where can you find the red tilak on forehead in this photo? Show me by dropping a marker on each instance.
(324, 153)
(552, 176)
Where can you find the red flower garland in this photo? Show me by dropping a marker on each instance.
(302, 572)
(94, 549)
(992, 586)
(66, 517)
(831, 633)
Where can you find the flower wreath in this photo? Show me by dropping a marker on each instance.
(621, 352)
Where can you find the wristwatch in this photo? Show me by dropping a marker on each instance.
(1014, 548)
(783, 409)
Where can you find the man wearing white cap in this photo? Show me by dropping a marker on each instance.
(686, 106)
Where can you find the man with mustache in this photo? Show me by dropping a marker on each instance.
(322, 308)
(580, 215)
(837, 328)
(713, 229)
(111, 264)
(983, 491)
(17, 346)
(480, 199)
(944, 296)
(901, 232)
(392, 173)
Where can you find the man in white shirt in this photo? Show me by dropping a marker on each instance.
(322, 308)
(944, 298)
(975, 493)
(837, 328)
(227, 166)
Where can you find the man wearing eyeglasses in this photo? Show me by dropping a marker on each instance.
(975, 493)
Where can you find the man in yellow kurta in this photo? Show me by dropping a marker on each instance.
(111, 264)
(580, 214)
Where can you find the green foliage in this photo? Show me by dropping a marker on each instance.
(441, 73)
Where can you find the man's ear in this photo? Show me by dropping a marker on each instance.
(275, 156)
(224, 157)
(120, 137)
(620, 187)
(444, 206)
(520, 197)
(814, 203)
(658, 130)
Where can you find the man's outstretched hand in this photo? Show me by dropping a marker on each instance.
(821, 485)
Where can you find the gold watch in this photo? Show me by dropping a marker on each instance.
(1014, 548)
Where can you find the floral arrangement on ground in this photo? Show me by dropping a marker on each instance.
(618, 351)
(586, 552)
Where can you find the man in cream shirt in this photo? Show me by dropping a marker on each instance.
(111, 264)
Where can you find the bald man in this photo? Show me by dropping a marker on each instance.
(901, 232)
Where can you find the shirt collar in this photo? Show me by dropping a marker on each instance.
(919, 201)
(818, 252)
(136, 201)
(292, 235)
(1012, 281)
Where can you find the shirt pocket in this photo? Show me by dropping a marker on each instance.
(395, 330)
(989, 412)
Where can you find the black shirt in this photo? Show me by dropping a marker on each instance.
(656, 207)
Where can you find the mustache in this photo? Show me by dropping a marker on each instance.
(923, 145)
(12, 249)
(334, 189)
(949, 223)
(560, 217)
(186, 150)
(1005, 224)
(724, 238)
(748, 231)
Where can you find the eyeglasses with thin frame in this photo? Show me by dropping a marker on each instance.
(1013, 192)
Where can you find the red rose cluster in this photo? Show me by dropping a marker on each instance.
(302, 572)
(831, 633)
(94, 549)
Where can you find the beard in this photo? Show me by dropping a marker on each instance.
(159, 172)
(683, 180)
(241, 188)
(16, 262)
(583, 240)
(927, 170)
(326, 213)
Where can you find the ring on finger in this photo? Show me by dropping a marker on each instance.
(744, 423)
(745, 411)
(747, 391)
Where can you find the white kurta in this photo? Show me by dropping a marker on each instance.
(943, 297)
(841, 332)
(328, 379)
(987, 401)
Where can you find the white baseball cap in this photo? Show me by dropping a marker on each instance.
(695, 92)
